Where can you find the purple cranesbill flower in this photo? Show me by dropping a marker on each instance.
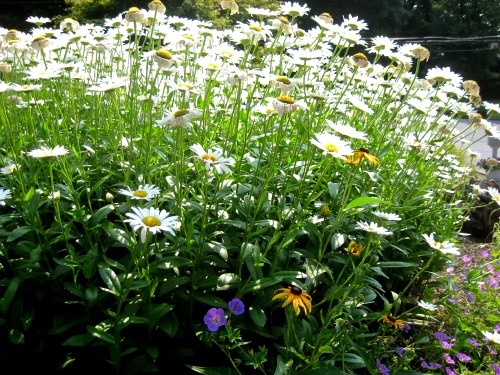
(492, 351)
(400, 350)
(424, 364)
(382, 369)
(497, 328)
(485, 254)
(448, 359)
(214, 319)
(236, 306)
(446, 345)
(449, 371)
(466, 259)
(406, 328)
(441, 336)
(452, 300)
(463, 357)
(434, 365)
(473, 342)
(470, 297)
(495, 368)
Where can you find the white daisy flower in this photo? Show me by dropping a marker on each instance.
(9, 169)
(179, 117)
(286, 104)
(46, 152)
(4, 194)
(151, 220)
(347, 130)
(372, 228)
(143, 192)
(445, 247)
(494, 193)
(39, 21)
(213, 159)
(492, 336)
(444, 74)
(294, 9)
(427, 305)
(333, 145)
(387, 216)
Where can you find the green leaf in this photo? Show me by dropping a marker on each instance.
(211, 370)
(16, 337)
(18, 232)
(258, 316)
(101, 334)
(209, 299)
(169, 324)
(172, 261)
(333, 188)
(100, 215)
(159, 312)
(261, 284)
(397, 264)
(173, 283)
(29, 194)
(9, 295)
(110, 279)
(227, 281)
(364, 201)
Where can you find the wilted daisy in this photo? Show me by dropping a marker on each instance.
(151, 220)
(445, 247)
(213, 159)
(4, 194)
(286, 104)
(143, 192)
(333, 145)
(230, 5)
(372, 228)
(46, 152)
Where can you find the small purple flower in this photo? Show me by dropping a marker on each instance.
(434, 365)
(446, 345)
(463, 357)
(236, 306)
(425, 364)
(470, 297)
(450, 371)
(466, 259)
(448, 359)
(400, 350)
(452, 300)
(406, 328)
(492, 351)
(382, 369)
(497, 328)
(214, 319)
(473, 343)
(441, 336)
(485, 254)
(495, 368)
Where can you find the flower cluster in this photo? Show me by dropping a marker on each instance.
(216, 318)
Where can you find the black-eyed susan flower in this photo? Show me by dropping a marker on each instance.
(297, 297)
(389, 319)
(355, 248)
(362, 154)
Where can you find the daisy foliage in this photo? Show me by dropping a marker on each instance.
(181, 167)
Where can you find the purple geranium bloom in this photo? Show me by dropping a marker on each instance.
(485, 254)
(236, 306)
(400, 350)
(406, 328)
(497, 328)
(450, 371)
(214, 319)
(466, 259)
(463, 357)
(441, 336)
(382, 369)
(496, 368)
(425, 364)
(448, 359)
(473, 342)
(434, 365)
(446, 345)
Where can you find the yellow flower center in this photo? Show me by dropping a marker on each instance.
(12, 31)
(286, 99)
(151, 221)
(134, 10)
(140, 193)
(164, 54)
(209, 157)
(181, 112)
(213, 66)
(186, 85)
(331, 148)
(284, 20)
(13, 41)
(270, 111)
(187, 36)
(325, 15)
(283, 79)
(255, 28)
(226, 53)
(360, 56)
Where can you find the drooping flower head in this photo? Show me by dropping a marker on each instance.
(355, 248)
(362, 154)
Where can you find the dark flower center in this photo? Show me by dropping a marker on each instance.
(295, 290)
